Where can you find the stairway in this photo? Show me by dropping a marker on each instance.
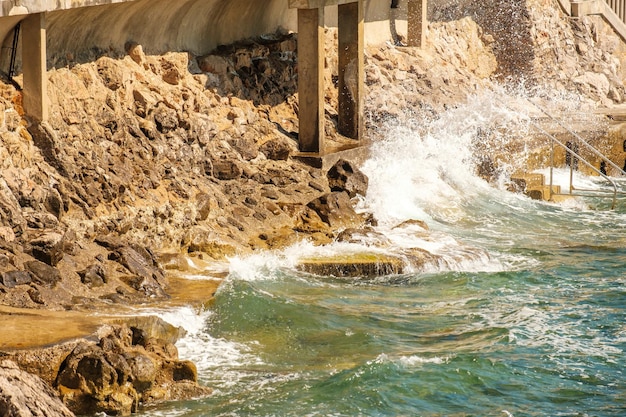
(533, 184)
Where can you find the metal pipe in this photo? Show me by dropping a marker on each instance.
(584, 161)
(571, 152)
(579, 138)
(16, 37)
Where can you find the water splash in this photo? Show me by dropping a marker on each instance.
(430, 172)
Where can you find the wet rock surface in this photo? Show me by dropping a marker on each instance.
(194, 154)
(149, 157)
(132, 363)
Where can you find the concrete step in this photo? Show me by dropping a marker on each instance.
(543, 192)
(533, 184)
(523, 181)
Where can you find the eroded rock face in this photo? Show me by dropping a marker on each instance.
(346, 176)
(24, 395)
(132, 364)
(336, 210)
(179, 153)
(145, 154)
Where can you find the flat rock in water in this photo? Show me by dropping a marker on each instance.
(353, 265)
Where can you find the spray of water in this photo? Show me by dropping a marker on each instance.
(426, 170)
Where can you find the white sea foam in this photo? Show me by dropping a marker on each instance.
(414, 360)
(541, 327)
(220, 362)
(411, 361)
(425, 172)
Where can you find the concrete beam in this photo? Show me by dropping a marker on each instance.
(13, 7)
(584, 8)
(34, 66)
(316, 4)
(417, 22)
(311, 79)
(351, 69)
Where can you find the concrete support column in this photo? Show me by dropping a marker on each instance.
(417, 22)
(34, 66)
(351, 69)
(311, 79)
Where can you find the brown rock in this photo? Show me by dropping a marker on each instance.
(205, 204)
(336, 210)
(124, 369)
(345, 176)
(226, 169)
(48, 248)
(151, 327)
(148, 277)
(135, 51)
(93, 276)
(276, 149)
(246, 147)
(360, 265)
(11, 279)
(243, 59)
(207, 240)
(23, 395)
(170, 73)
(7, 234)
(214, 64)
(43, 273)
(111, 73)
(165, 118)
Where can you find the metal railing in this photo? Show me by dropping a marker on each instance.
(613, 12)
(619, 7)
(574, 158)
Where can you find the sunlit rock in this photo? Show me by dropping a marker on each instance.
(366, 265)
(131, 364)
(23, 394)
(345, 176)
(336, 210)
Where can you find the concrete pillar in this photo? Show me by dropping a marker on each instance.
(351, 69)
(311, 79)
(417, 22)
(34, 67)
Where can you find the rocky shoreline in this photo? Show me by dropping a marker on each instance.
(149, 161)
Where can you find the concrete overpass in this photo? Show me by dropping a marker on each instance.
(50, 29)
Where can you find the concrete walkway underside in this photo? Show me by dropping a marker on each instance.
(55, 28)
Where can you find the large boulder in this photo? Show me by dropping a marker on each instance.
(132, 363)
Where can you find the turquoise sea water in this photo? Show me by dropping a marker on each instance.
(527, 316)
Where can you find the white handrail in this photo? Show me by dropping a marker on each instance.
(575, 156)
(613, 11)
(580, 158)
